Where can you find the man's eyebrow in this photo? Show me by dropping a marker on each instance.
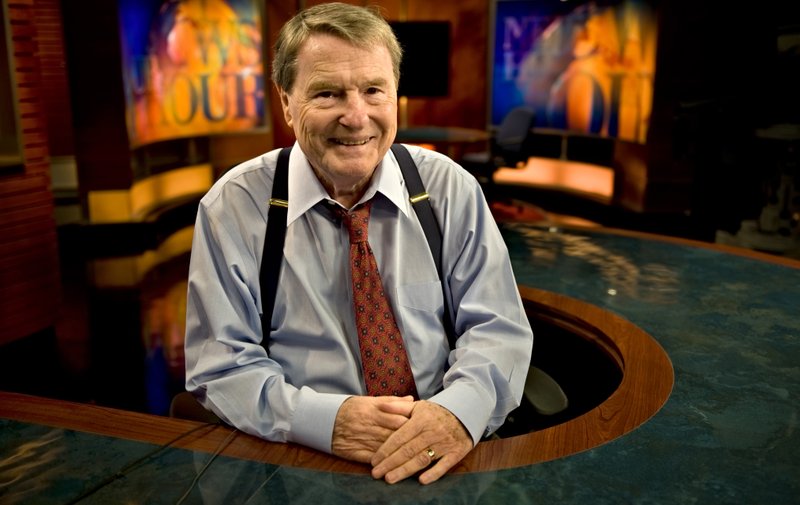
(322, 85)
(330, 85)
(380, 81)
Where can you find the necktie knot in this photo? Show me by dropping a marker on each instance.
(357, 222)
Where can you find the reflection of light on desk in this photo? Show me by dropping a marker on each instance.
(592, 180)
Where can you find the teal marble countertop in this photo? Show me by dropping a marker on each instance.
(728, 434)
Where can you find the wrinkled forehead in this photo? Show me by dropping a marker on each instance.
(324, 58)
(321, 37)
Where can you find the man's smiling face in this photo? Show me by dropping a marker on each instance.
(343, 110)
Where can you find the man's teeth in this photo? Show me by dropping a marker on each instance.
(352, 142)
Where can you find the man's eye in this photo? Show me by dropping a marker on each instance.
(325, 94)
(373, 91)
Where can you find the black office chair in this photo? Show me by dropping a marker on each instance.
(507, 146)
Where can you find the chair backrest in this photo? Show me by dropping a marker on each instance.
(515, 128)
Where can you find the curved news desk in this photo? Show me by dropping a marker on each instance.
(728, 320)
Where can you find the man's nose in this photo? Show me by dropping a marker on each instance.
(355, 113)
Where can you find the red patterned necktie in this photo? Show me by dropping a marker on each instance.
(383, 355)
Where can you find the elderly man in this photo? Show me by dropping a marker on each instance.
(326, 378)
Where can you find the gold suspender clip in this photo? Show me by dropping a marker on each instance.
(418, 198)
(278, 202)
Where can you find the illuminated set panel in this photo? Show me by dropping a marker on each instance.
(147, 195)
(191, 68)
(586, 68)
(128, 271)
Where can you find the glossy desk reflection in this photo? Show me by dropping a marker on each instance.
(41, 464)
(727, 434)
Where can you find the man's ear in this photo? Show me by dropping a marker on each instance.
(287, 115)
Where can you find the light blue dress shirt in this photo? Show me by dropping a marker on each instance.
(294, 392)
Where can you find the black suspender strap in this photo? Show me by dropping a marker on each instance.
(421, 202)
(272, 256)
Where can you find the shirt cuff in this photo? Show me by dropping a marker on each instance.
(468, 405)
(314, 417)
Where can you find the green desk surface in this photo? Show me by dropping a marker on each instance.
(728, 434)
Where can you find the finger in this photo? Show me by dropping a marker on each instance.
(358, 455)
(398, 447)
(361, 428)
(392, 422)
(404, 453)
(401, 408)
(412, 466)
(422, 420)
(407, 398)
(441, 467)
(403, 462)
(358, 447)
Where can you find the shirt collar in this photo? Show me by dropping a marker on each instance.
(305, 190)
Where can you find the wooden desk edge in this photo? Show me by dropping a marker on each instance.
(646, 384)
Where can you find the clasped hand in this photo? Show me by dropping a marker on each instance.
(400, 437)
